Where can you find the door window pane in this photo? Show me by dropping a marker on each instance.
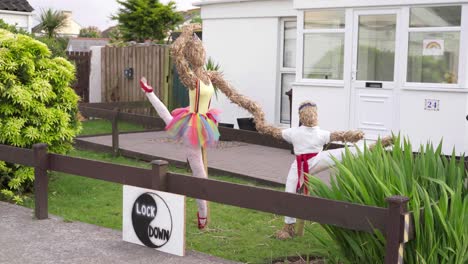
(321, 19)
(436, 16)
(433, 57)
(289, 54)
(323, 56)
(287, 80)
(376, 54)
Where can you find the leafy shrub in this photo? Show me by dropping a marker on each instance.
(36, 105)
(429, 179)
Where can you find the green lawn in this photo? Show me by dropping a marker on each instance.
(101, 126)
(234, 233)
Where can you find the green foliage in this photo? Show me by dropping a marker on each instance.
(36, 104)
(429, 179)
(90, 32)
(141, 20)
(11, 28)
(51, 21)
(58, 45)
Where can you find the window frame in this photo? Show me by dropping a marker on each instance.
(301, 48)
(284, 70)
(461, 53)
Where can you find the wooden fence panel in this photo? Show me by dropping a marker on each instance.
(148, 61)
(83, 69)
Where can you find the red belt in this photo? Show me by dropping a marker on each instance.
(303, 164)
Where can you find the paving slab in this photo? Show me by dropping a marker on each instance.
(25, 240)
(253, 161)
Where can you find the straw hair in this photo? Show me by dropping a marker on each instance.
(189, 56)
(308, 114)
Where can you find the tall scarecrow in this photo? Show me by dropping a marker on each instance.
(197, 123)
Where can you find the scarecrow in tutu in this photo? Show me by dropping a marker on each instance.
(197, 124)
(308, 141)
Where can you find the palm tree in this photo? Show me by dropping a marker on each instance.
(51, 21)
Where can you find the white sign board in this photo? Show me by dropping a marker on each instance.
(433, 47)
(154, 219)
(432, 105)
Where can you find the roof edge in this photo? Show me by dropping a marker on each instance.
(201, 3)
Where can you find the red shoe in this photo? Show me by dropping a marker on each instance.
(145, 86)
(200, 224)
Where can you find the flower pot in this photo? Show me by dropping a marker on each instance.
(246, 123)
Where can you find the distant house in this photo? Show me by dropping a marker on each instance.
(17, 12)
(85, 44)
(71, 28)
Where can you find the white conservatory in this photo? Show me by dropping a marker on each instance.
(379, 66)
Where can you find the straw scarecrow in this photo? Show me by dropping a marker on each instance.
(197, 124)
(308, 141)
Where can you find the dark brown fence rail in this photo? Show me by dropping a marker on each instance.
(394, 221)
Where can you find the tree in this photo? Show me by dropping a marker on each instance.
(36, 105)
(90, 32)
(51, 21)
(141, 20)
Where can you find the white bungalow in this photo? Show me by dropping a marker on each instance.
(375, 65)
(17, 13)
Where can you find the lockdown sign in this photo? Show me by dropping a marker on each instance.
(154, 219)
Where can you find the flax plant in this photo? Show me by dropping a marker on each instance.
(436, 186)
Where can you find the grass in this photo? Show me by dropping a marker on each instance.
(234, 233)
(101, 126)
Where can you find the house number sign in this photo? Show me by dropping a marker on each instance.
(431, 105)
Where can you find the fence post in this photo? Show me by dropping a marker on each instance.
(115, 131)
(395, 228)
(159, 173)
(41, 181)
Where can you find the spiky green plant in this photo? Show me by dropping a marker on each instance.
(431, 181)
(36, 105)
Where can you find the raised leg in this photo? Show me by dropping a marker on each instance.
(159, 107)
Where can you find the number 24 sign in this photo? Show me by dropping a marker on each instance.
(431, 105)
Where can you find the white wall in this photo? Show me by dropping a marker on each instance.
(95, 76)
(21, 20)
(449, 123)
(247, 50)
(332, 104)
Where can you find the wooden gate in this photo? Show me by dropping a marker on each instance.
(83, 67)
(122, 68)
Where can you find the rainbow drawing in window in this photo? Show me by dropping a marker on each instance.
(433, 47)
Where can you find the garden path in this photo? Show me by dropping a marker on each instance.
(262, 163)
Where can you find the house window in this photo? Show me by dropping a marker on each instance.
(288, 66)
(434, 44)
(324, 37)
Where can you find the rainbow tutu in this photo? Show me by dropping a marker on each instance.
(197, 129)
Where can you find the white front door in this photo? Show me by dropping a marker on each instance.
(374, 71)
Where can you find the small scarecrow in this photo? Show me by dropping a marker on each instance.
(308, 141)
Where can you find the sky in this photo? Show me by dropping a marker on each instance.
(92, 12)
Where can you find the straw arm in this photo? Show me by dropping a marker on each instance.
(352, 136)
(243, 101)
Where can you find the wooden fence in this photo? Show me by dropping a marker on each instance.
(122, 68)
(83, 68)
(394, 221)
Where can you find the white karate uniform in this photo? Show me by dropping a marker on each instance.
(305, 140)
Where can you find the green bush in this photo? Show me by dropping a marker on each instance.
(36, 105)
(429, 179)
